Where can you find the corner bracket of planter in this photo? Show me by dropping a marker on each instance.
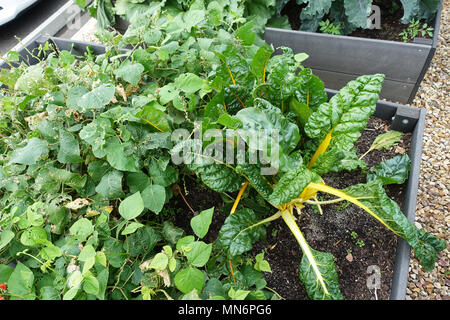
(405, 119)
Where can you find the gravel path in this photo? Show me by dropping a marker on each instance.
(433, 203)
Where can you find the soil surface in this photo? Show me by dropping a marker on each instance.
(390, 22)
(360, 244)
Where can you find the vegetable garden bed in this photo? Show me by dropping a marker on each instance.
(92, 142)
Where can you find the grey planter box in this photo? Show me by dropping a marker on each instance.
(339, 59)
(404, 118)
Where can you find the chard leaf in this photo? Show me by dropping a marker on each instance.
(237, 235)
(292, 184)
(281, 77)
(260, 60)
(372, 194)
(311, 90)
(317, 269)
(337, 123)
(386, 140)
(335, 160)
(265, 117)
(234, 69)
(391, 171)
(327, 268)
(212, 171)
(347, 111)
(252, 173)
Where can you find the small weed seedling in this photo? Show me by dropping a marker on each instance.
(414, 29)
(329, 28)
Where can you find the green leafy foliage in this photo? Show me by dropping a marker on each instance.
(327, 268)
(87, 208)
(391, 171)
(237, 234)
(372, 194)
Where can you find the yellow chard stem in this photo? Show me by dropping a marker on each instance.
(321, 149)
(343, 195)
(238, 198)
(289, 220)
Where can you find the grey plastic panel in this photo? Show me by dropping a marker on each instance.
(392, 90)
(352, 55)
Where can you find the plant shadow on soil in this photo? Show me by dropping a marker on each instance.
(356, 239)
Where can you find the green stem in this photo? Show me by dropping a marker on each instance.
(370, 149)
(27, 254)
(269, 219)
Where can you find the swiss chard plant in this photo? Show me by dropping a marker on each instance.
(304, 136)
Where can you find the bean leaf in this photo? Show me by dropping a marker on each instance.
(132, 206)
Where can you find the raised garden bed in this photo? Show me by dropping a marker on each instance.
(398, 117)
(338, 59)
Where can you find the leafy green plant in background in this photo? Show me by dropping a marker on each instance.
(354, 14)
(220, 13)
(343, 16)
(329, 28)
(414, 29)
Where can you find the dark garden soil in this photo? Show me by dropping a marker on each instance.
(357, 240)
(390, 21)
